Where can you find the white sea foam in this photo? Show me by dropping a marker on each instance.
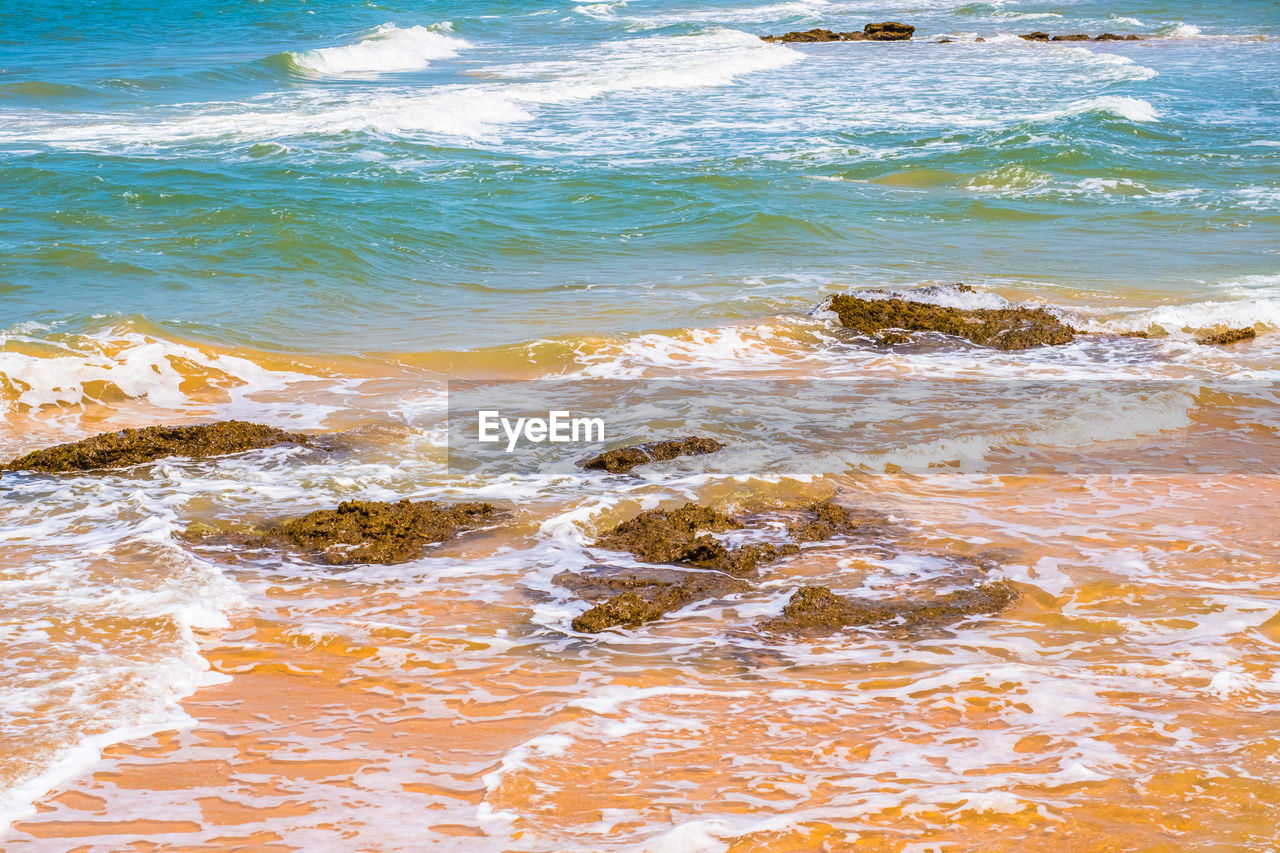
(1180, 30)
(71, 371)
(1122, 106)
(477, 111)
(387, 48)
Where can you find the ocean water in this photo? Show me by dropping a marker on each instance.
(316, 214)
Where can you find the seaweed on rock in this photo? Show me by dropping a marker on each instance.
(622, 459)
(130, 447)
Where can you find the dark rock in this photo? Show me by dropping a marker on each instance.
(810, 37)
(682, 536)
(1001, 328)
(979, 40)
(623, 459)
(944, 41)
(628, 598)
(816, 609)
(136, 446)
(1114, 37)
(1076, 37)
(363, 531)
(1230, 336)
(888, 31)
(1036, 36)
(827, 520)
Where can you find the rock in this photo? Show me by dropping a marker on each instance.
(979, 40)
(812, 36)
(1076, 37)
(623, 459)
(1114, 37)
(682, 536)
(827, 520)
(1001, 328)
(944, 41)
(1230, 336)
(1036, 36)
(888, 31)
(135, 446)
(369, 531)
(816, 609)
(628, 598)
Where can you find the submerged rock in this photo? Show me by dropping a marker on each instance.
(886, 31)
(1001, 328)
(628, 598)
(623, 459)
(135, 446)
(683, 536)
(1042, 36)
(816, 609)
(827, 520)
(1230, 336)
(811, 36)
(364, 531)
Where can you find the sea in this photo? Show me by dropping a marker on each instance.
(331, 216)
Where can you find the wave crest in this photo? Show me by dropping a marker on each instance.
(386, 48)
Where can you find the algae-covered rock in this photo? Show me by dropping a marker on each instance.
(885, 31)
(888, 31)
(810, 37)
(623, 459)
(827, 520)
(1114, 37)
(628, 598)
(135, 446)
(373, 531)
(1230, 336)
(1035, 36)
(1001, 328)
(816, 609)
(1073, 37)
(682, 536)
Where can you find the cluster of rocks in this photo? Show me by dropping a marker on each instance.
(1039, 36)
(698, 566)
(894, 31)
(886, 31)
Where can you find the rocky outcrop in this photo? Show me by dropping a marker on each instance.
(359, 531)
(816, 609)
(884, 320)
(1042, 36)
(130, 447)
(623, 459)
(683, 536)
(1230, 336)
(627, 598)
(886, 31)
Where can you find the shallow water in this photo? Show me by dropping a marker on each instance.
(316, 215)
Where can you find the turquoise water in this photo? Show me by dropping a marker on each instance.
(327, 177)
